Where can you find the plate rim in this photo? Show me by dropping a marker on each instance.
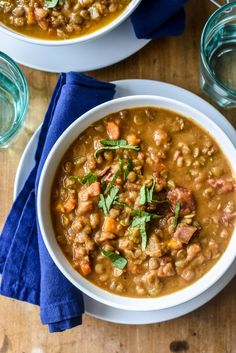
(8, 41)
(192, 304)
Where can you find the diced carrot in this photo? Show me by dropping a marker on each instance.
(133, 140)
(70, 204)
(113, 130)
(30, 16)
(94, 189)
(111, 225)
(59, 207)
(85, 268)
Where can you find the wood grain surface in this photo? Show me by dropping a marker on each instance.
(210, 329)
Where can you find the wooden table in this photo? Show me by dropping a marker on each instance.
(210, 329)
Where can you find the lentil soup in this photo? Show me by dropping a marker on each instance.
(143, 202)
(59, 19)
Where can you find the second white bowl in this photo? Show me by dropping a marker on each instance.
(80, 39)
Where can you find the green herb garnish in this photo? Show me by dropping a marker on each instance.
(142, 228)
(137, 221)
(106, 202)
(74, 177)
(117, 260)
(142, 195)
(161, 201)
(151, 191)
(90, 178)
(114, 145)
(51, 3)
(140, 221)
(117, 174)
(146, 195)
(102, 204)
(121, 204)
(177, 214)
(128, 168)
(140, 213)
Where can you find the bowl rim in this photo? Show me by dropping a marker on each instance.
(103, 296)
(85, 38)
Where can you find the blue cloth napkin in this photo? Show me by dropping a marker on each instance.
(27, 271)
(158, 18)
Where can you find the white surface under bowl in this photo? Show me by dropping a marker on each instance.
(88, 37)
(44, 214)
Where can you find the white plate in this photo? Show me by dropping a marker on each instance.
(96, 54)
(104, 312)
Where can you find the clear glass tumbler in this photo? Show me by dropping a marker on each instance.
(14, 100)
(218, 56)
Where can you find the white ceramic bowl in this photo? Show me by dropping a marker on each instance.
(44, 214)
(94, 35)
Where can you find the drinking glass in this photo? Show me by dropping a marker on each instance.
(14, 100)
(218, 56)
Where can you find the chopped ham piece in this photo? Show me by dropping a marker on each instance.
(85, 268)
(102, 172)
(113, 130)
(227, 217)
(84, 207)
(222, 186)
(184, 197)
(159, 168)
(94, 189)
(70, 204)
(184, 233)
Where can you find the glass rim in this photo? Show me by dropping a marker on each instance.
(202, 50)
(21, 118)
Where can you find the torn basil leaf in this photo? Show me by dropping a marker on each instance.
(102, 204)
(177, 214)
(121, 204)
(106, 202)
(128, 168)
(90, 178)
(146, 194)
(74, 177)
(51, 3)
(142, 195)
(117, 174)
(114, 145)
(117, 143)
(140, 213)
(118, 261)
(141, 223)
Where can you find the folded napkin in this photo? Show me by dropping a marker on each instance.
(158, 18)
(27, 270)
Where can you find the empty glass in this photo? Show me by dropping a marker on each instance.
(218, 56)
(14, 99)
